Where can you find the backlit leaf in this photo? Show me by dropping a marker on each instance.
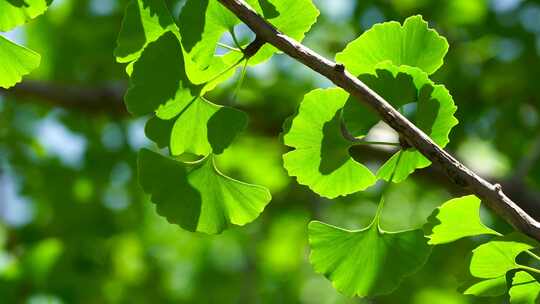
(456, 219)
(497, 257)
(144, 22)
(412, 44)
(366, 262)
(15, 62)
(204, 127)
(488, 288)
(525, 289)
(198, 197)
(428, 105)
(204, 22)
(320, 158)
(17, 12)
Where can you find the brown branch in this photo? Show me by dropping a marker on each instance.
(105, 99)
(491, 194)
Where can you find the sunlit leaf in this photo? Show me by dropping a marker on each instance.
(15, 62)
(159, 82)
(456, 219)
(525, 289)
(488, 288)
(412, 44)
(497, 257)
(367, 262)
(320, 158)
(197, 196)
(428, 105)
(144, 22)
(204, 127)
(204, 22)
(17, 12)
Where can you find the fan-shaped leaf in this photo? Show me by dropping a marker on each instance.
(456, 219)
(412, 44)
(15, 62)
(17, 12)
(525, 289)
(320, 158)
(159, 82)
(497, 257)
(203, 23)
(197, 196)
(204, 127)
(432, 110)
(367, 262)
(144, 22)
(488, 288)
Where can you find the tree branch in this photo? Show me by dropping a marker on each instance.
(491, 194)
(105, 99)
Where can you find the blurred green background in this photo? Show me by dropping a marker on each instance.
(76, 228)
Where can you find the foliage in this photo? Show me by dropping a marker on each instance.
(211, 127)
(17, 60)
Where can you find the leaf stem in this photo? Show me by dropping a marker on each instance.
(381, 202)
(527, 268)
(228, 47)
(235, 39)
(240, 81)
(532, 254)
(232, 66)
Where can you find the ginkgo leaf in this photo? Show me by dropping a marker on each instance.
(367, 262)
(147, 20)
(15, 62)
(412, 44)
(320, 158)
(202, 23)
(204, 128)
(159, 82)
(525, 289)
(457, 218)
(294, 18)
(488, 288)
(405, 87)
(198, 197)
(18, 12)
(159, 131)
(144, 22)
(498, 256)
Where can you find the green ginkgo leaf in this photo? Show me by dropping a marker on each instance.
(294, 18)
(457, 218)
(367, 262)
(488, 288)
(159, 131)
(204, 128)
(144, 22)
(15, 62)
(17, 12)
(202, 24)
(320, 158)
(160, 85)
(159, 82)
(147, 20)
(198, 197)
(498, 256)
(411, 44)
(405, 88)
(525, 289)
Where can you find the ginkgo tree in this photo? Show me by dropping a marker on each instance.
(173, 65)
